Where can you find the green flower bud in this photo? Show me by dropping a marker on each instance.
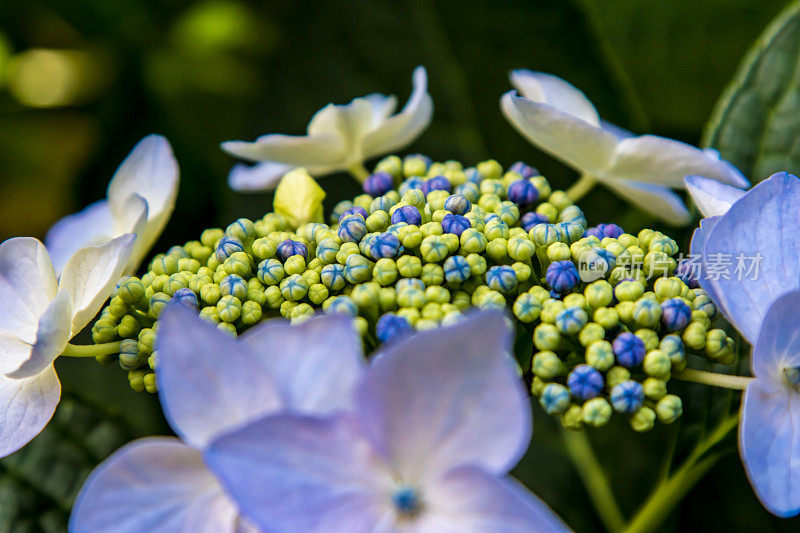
(210, 314)
(433, 249)
(385, 271)
(643, 420)
(104, 330)
(251, 313)
(596, 412)
(210, 237)
(311, 277)
(294, 288)
(210, 293)
(477, 264)
(666, 288)
(608, 317)
(157, 304)
(117, 307)
(378, 221)
(550, 310)
(432, 311)
(694, 336)
(508, 212)
(238, 263)
(571, 320)
(136, 379)
(461, 300)
(553, 397)
(547, 365)
(411, 314)
(164, 265)
(572, 418)
(649, 337)
(243, 229)
(657, 364)
(273, 296)
(128, 327)
(472, 241)
(629, 291)
(654, 388)
(522, 270)
(294, 265)
(646, 313)
(391, 164)
(492, 300)
(229, 308)
(659, 264)
(130, 290)
(490, 170)
(357, 269)
(414, 197)
(591, 333)
(228, 328)
(546, 337)
(616, 375)
(432, 274)
(558, 251)
(409, 266)
(625, 310)
(600, 355)
(669, 409)
(598, 294)
(527, 308)
(411, 297)
(437, 294)
(264, 248)
(719, 347)
(387, 300)
(129, 356)
(542, 185)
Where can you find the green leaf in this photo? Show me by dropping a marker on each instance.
(38, 484)
(756, 123)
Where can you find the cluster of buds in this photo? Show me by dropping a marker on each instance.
(425, 242)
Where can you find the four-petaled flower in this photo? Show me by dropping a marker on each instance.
(39, 314)
(141, 196)
(340, 137)
(209, 384)
(559, 119)
(437, 422)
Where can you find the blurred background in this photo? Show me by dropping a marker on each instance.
(81, 82)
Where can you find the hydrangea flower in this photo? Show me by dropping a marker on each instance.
(39, 314)
(769, 435)
(437, 422)
(712, 197)
(140, 199)
(210, 383)
(559, 119)
(340, 137)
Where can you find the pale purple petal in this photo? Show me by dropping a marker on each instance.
(153, 484)
(447, 397)
(26, 406)
(90, 227)
(654, 159)
(207, 381)
(551, 90)
(470, 500)
(263, 176)
(761, 228)
(778, 344)
(712, 197)
(315, 365)
(398, 131)
(52, 336)
(769, 443)
(27, 284)
(294, 473)
(697, 251)
(657, 200)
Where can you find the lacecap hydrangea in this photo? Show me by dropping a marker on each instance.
(607, 314)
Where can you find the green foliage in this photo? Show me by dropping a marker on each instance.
(756, 124)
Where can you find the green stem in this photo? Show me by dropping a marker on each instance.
(713, 378)
(581, 187)
(92, 350)
(594, 479)
(359, 172)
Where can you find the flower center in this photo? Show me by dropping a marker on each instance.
(407, 501)
(792, 376)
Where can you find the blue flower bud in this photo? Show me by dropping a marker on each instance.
(524, 170)
(555, 398)
(226, 247)
(687, 273)
(629, 349)
(391, 327)
(233, 285)
(186, 296)
(455, 224)
(604, 230)
(457, 269)
(289, 247)
(501, 278)
(457, 204)
(436, 183)
(408, 214)
(570, 321)
(344, 305)
(627, 397)
(585, 382)
(353, 210)
(675, 314)
(529, 220)
(378, 184)
(523, 193)
(270, 272)
(384, 245)
(352, 228)
(412, 183)
(406, 283)
(562, 276)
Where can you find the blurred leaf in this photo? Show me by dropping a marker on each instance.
(39, 483)
(756, 125)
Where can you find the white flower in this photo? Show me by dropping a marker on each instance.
(340, 137)
(209, 383)
(141, 196)
(437, 422)
(560, 120)
(39, 314)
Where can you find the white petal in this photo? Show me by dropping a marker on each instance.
(589, 149)
(759, 229)
(26, 406)
(259, 177)
(90, 227)
(322, 151)
(150, 171)
(470, 500)
(133, 218)
(52, 335)
(663, 161)
(293, 473)
(27, 284)
(447, 397)
(153, 484)
(657, 200)
(315, 365)
(778, 344)
(548, 89)
(207, 381)
(769, 443)
(712, 197)
(91, 274)
(402, 129)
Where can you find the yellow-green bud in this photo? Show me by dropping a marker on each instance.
(669, 409)
(643, 420)
(608, 317)
(596, 412)
(657, 364)
(547, 365)
(616, 375)
(546, 337)
(600, 355)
